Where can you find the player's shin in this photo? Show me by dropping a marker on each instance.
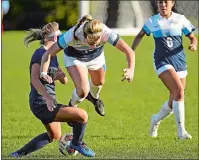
(75, 99)
(35, 144)
(78, 133)
(164, 112)
(178, 108)
(95, 90)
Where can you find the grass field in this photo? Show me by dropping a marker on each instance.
(123, 132)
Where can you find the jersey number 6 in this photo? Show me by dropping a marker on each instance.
(169, 42)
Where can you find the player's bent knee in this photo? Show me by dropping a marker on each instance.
(101, 82)
(179, 94)
(83, 116)
(82, 93)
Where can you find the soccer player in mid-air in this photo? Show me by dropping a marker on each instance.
(43, 93)
(83, 46)
(167, 28)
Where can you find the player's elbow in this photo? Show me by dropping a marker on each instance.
(34, 80)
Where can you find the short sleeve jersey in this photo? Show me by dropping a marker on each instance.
(79, 48)
(167, 33)
(36, 58)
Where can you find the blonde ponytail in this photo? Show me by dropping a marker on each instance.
(40, 34)
(81, 21)
(33, 35)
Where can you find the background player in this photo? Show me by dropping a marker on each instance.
(169, 60)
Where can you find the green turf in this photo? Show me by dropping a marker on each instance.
(123, 132)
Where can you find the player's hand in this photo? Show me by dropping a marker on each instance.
(192, 47)
(51, 103)
(59, 75)
(46, 77)
(128, 74)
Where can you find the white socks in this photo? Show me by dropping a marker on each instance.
(164, 112)
(179, 113)
(178, 108)
(76, 99)
(95, 90)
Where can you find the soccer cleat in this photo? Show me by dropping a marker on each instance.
(184, 135)
(83, 149)
(154, 127)
(14, 154)
(99, 105)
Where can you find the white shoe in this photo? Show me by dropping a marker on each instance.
(154, 127)
(184, 135)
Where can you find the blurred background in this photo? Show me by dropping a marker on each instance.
(24, 14)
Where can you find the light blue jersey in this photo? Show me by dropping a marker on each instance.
(167, 35)
(80, 48)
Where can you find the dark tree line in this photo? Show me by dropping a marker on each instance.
(24, 14)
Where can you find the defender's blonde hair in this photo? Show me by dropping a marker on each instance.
(40, 34)
(92, 28)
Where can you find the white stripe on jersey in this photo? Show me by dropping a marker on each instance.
(176, 22)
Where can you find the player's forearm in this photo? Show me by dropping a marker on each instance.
(130, 54)
(45, 62)
(194, 41)
(136, 42)
(39, 87)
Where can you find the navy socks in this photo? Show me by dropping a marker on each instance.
(35, 144)
(78, 133)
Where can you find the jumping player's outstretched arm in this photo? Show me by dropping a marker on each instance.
(130, 55)
(61, 43)
(138, 39)
(52, 51)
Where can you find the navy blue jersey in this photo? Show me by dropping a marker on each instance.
(85, 56)
(36, 58)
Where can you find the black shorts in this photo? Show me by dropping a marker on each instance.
(41, 111)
